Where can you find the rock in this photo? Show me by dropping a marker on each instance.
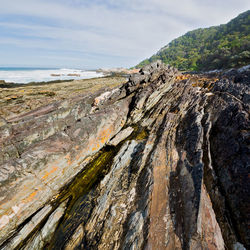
(122, 71)
(55, 74)
(102, 98)
(2, 82)
(137, 79)
(121, 136)
(76, 239)
(33, 96)
(2, 121)
(41, 167)
(28, 228)
(159, 163)
(50, 226)
(48, 229)
(77, 75)
(239, 246)
(148, 74)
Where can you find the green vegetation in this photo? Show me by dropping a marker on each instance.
(217, 47)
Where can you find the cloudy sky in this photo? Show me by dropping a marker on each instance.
(100, 33)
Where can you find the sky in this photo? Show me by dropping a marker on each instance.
(92, 34)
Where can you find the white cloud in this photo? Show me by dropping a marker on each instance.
(123, 31)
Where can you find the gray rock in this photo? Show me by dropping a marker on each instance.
(123, 134)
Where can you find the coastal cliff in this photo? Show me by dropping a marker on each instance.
(160, 162)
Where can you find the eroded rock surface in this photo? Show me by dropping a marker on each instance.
(161, 162)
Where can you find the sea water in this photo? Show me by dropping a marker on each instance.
(26, 75)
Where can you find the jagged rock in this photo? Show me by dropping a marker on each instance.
(179, 181)
(52, 148)
(148, 74)
(44, 237)
(28, 228)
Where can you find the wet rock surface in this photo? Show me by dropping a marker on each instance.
(161, 162)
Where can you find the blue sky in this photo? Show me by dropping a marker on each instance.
(93, 33)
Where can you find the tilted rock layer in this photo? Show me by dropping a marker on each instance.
(161, 162)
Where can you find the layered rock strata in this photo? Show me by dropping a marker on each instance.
(161, 162)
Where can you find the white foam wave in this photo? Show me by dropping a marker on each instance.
(26, 76)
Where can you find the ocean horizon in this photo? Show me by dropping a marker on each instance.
(25, 68)
(39, 74)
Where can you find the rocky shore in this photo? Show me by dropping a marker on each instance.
(16, 99)
(158, 162)
(118, 71)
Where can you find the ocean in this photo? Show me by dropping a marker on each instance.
(26, 75)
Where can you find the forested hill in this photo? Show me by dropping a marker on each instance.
(217, 47)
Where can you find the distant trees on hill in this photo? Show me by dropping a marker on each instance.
(217, 47)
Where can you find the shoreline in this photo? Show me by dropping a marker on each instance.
(17, 99)
(13, 77)
(27, 76)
